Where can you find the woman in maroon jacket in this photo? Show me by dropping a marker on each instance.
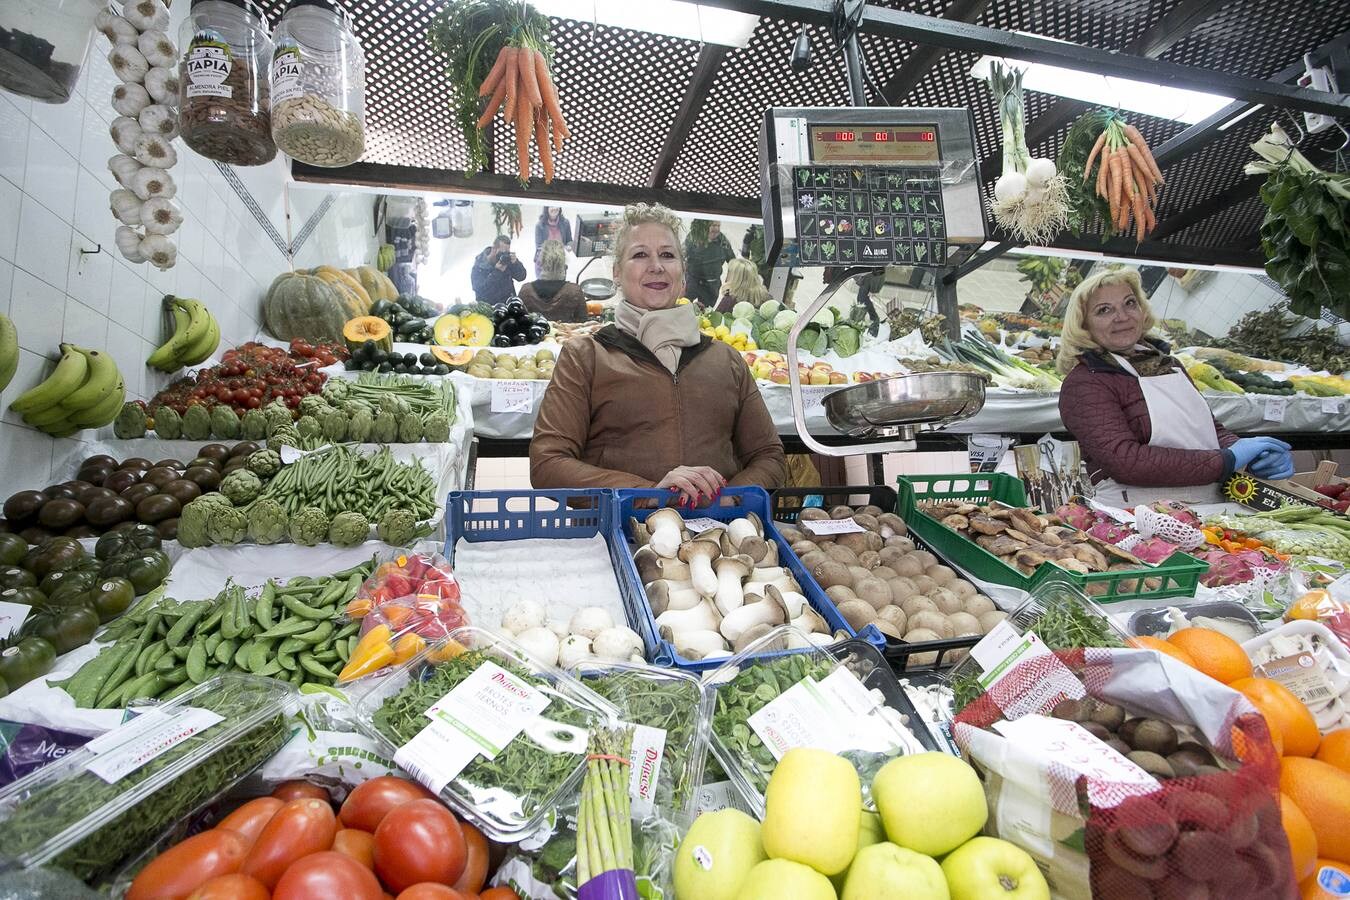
(1145, 431)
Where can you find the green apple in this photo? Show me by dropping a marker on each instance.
(811, 810)
(931, 803)
(986, 868)
(887, 872)
(782, 879)
(716, 854)
(869, 832)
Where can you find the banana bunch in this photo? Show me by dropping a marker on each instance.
(1321, 385)
(196, 334)
(384, 259)
(9, 351)
(85, 391)
(1207, 376)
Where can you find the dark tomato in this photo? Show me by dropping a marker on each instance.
(253, 402)
(475, 862)
(184, 867)
(327, 876)
(429, 890)
(231, 887)
(298, 790)
(419, 841)
(359, 845)
(249, 819)
(369, 802)
(299, 828)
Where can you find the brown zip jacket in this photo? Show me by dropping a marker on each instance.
(614, 417)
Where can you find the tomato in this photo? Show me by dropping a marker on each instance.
(499, 893)
(299, 789)
(430, 890)
(231, 887)
(327, 876)
(358, 844)
(419, 841)
(187, 865)
(299, 828)
(249, 819)
(369, 802)
(476, 860)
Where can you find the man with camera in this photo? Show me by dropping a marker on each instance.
(495, 272)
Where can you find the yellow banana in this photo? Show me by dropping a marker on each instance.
(68, 375)
(100, 381)
(104, 412)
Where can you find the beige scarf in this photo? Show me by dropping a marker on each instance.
(662, 331)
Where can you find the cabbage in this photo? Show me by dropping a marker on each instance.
(774, 339)
(814, 340)
(845, 339)
(743, 310)
(825, 318)
(768, 309)
(784, 319)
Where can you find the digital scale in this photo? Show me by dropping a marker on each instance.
(875, 186)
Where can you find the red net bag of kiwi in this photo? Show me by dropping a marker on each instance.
(1206, 825)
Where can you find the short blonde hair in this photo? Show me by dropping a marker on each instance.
(637, 214)
(552, 261)
(1075, 338)
(743, 282)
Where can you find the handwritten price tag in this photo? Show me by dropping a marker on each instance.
(1331, 406)
(512, 396)
(290, 454)
(702, 524)
(832, 526)
(1275, 408)
(813, 396)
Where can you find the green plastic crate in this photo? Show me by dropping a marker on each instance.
(1177, 577)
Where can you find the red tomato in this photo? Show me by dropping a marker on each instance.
(419, 841)
(499, 893)
(430, 890)
(299, 828)
(231, 887)
(182, 868)
(359, 845)
(369, 802)
(327, 876)
(298, 790)
(249, 819)
(476, 860)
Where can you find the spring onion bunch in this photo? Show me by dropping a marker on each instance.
(1031, 199)
(604, 827)
(1006, 371)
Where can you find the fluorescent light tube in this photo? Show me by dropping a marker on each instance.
(1155, 100)
(676, 18)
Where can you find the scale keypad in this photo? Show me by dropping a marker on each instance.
(861, 215)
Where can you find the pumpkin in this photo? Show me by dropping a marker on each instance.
(376, 283)
(365, 329)
(299, 305)
(355, 300)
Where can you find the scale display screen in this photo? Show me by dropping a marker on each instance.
(875, 144)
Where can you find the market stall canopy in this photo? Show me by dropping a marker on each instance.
(673, 119)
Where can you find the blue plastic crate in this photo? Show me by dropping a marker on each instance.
(557, 514)
(752, 500)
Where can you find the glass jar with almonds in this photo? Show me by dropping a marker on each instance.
(318, 85)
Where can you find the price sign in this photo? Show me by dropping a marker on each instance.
(513, 396)
(1331, 406)
(813, 396)
(831, 526)
(290, 454)
(1275, 408)
(702, 524)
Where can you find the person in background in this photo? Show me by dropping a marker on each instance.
(552, 295)
(550, 227)
(742, 283)
(649, 401)
(1145, 431)
(706, 250)
(495, 272)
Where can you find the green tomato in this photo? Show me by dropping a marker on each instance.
(111, 598)
(132, 541)
(147, 571)
(12, 549)
(13, 576)
(26, 596)
(62, 584)
(64, 629)
(26, 660)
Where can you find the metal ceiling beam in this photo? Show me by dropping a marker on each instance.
(1180, 254)
(920, 29)
(695, 96)
(917, 65)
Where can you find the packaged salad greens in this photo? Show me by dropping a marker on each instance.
(95, 808)
(498, 736)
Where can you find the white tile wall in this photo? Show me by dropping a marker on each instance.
(1216, 303)
(54, 186)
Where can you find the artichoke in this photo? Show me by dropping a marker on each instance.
(398, 527)
(410, 429)
(392, 403)
(278, 416)
(334, 423)
(309, 428)
(241, 486)
(309, 526)
(385, 429)
(352, 407)
(253, 426)
(130, 422)
(348, 529)
(360, 426)
(266, 521)
(196, 423)
(226, 525)
(437, 427)
(213, 498)
(192, 522)
(284, 437)
(168, 424)
(224, 422)
(313, 405)
(335, 389)
(263, 463)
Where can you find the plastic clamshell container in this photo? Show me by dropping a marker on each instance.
(573, 709)
(749, 771)
(749, 500)
(1154, 622)
(1176, 577)
(697, 710)
(223, 743)
(1305, 627)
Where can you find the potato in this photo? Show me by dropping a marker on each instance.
(924, 557)
(963, 624)
(895, 616)
(962, 589)
(857, 613)
(932, 620)
(874, 591)
(907, 566)
(902, 587)
(917, 604)
(919, 636)
(923, 584)
(947, 602)
(941, 574)
(885, 573)
(978, 605)
(990, 619)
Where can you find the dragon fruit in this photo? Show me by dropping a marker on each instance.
(1225, 569)
(1078, 516)
(1154, 550)
(1110, 531)
(1177, 510)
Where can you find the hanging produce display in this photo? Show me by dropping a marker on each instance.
(1030, 198)
(1127, 177)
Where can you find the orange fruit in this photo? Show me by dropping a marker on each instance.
(1329, 881)
(1216, 654)
(1284, 713)
(1335, 749)
(1152, 643)
(1302, 838)
(1322, 792)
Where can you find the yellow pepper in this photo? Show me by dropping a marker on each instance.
(373, 652)
(408, 646)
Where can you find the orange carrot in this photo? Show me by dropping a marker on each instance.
(541, 138)
(1137, 160)
(1137, 202)
(529, 80)
(549, 92)
(1096, 148)
(1103, 172)
(1137, 140)
(498, 95)
(494, 76)
(524, 131)
(1122, 181)
(512, 79)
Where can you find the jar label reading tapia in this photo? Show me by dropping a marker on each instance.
(208, 62)
(286, 71)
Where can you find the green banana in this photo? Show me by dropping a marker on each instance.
(195, 337)
(9, 351)
(163, 357)
(68, 376)
(46, 418)
(192, 354)
(104, 412)
(103, 377)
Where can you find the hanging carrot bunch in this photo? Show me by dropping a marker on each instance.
(520, 86)
(1128, 177)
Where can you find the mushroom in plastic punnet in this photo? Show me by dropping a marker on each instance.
(731, 572)
(665, 526)
(699, 555)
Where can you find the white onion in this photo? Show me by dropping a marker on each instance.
(1039, 172)
(1010, 187)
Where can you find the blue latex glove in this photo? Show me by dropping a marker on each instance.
(1273, 465)
(1247, 450)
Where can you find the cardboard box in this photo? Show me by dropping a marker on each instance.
(1259, 494)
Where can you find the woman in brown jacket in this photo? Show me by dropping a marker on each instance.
(649, 401)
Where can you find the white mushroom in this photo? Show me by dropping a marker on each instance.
(731, 572)
(540, 643)
(523, 616)
(792, 601)
(665, 526)
(589, 621)
(702, 617)
(699, 555)
(664, 594)
(574, 648)
(640, 533)
(764, 611)
(618, 643)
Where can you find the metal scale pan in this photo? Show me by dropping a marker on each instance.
(900, 405)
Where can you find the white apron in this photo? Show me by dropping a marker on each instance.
(1180, 420)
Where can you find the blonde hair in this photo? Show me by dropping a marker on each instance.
(743, 282)
(1075, 339)
(637, 214)
(552, 261)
